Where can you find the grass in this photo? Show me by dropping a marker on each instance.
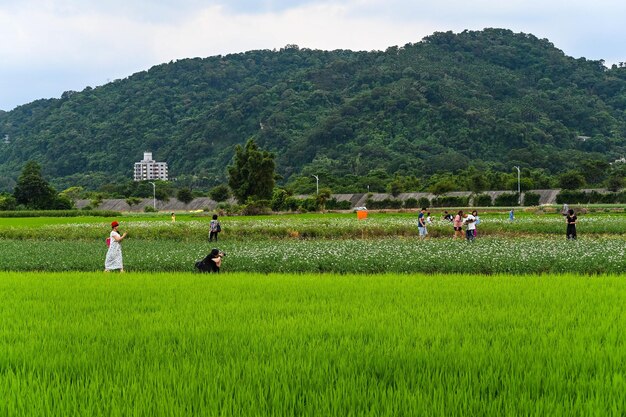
(247, 344)
(312, 226)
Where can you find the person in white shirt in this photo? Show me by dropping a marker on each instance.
(470, 226)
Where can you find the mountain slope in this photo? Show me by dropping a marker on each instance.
(437, 105)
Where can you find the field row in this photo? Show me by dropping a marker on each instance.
(250, 344)
(487, 255)
(319, 226)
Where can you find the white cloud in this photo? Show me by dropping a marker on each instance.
(92, 41)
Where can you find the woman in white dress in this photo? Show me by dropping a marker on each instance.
(113, 260)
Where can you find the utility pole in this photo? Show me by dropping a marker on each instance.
(519, 194)
(317, 183)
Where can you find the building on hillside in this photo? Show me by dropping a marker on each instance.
(149, 169)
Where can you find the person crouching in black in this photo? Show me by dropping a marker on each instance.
(212, 262)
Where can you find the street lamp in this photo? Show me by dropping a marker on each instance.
(153, 195)
(519, 194)
(317, 183)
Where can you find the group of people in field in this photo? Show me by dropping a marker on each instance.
(463, 224)
(461, 220)
(114, 260)
(468, 221)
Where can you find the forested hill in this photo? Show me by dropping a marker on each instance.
(490, 98)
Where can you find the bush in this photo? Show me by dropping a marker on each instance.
(482, 200)
(449, 201)
(531, 199)
(572, 197)
(292, 203)
(387, 203)
(333, 204)
(423, 202)
(412, 203)
(7, 202)
(253, 208)
(149, 209)
(279, 197)
(220, 193)
(308, 204)
(506, 199)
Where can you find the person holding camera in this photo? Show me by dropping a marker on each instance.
(113, 260)
(212, 262)
(571, 225)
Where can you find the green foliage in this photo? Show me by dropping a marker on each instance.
(413, 203)
(149, 209)
(387, 203)
(489, 98)
(571, 180)
(333, 204)
(423, 202)
(133, 201)
(7, 202)
(531, 199)
(615, 182)
(506, 200)
(450, 201)
(32, 190)
(256, 207)
(593, 197)
(184, 195)
(482, 200)
(308, 204)
(252, 173)
(442, 187)
(220, 193)
(73, 193)
(322, 197)
(60, 213)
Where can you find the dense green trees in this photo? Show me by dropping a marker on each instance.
(475, 103)
(32, 190)
(252, 173)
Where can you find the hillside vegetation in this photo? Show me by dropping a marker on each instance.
(485, 100)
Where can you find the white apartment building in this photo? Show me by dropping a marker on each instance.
(149, 169)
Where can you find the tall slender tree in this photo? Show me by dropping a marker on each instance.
(252, 173)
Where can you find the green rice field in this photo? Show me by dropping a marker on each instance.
(314, 315)
(146, 344)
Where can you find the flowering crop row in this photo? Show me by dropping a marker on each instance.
(400, 255)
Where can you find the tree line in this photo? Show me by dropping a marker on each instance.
(252, 181)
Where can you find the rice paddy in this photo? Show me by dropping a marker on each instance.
(144, 344)
(314, 315)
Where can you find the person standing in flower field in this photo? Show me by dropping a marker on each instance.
(113, 260)
(512, 215)
(214, 228)
(421, 224)
(470, 224)
(476, 221)
(571, 225)
(457, 223)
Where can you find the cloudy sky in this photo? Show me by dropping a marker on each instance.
(51, 46)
